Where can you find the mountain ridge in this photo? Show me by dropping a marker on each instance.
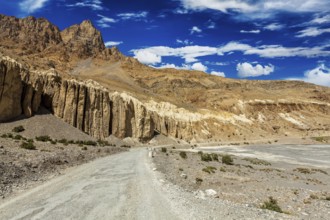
(189, 105)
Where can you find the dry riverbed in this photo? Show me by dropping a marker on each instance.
(301, 191)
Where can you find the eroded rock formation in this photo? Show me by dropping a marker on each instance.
(11, 88)
(102, 92)
(93, 109)
(85, 105)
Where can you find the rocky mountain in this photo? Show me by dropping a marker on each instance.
(29, 33)
(102, 92)
(83, 40)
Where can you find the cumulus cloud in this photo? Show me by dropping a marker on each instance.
(257, 8)
(199, 67)
(104, 21)
(222, 74)
(312, 32)
(320, 76)
(248, 70)
(173, 66)
(191, 53)
(220, 5)
(92, 4)
(31, 6)
(112, 43)
(188, 53)
(196, 66)
(273, 51)
(274, 27)
(133, 16)
(195, 29)
(147, 57)
(250, 32)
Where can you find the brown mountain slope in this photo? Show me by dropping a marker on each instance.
(183, 104)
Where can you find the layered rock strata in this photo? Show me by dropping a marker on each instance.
(91, 108)
(85, 105)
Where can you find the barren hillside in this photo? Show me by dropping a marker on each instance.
(102, 92)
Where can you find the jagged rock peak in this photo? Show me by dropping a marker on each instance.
(87, 23)
(30, 36)
(84, 39)
(30, 32)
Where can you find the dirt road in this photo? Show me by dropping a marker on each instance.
(108, 188)
(122, 186)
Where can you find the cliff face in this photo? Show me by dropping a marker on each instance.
(11, 88)
(102, 92)
(85, 105)
(93, 109)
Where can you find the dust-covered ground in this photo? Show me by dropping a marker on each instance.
(297, 177)
(22, 168)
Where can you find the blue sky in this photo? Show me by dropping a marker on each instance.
(253, 39)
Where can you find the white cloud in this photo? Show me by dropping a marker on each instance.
(248, 70)
(195, 29)
(171, 65)
(220, 5)
(321, 19)
(218, 73)
(104, 21)
(257, 8)
(273, 51)
(199, 66)
(320, 76)
(312, 32)
(219, 63)
(31, 6)
(196, 66)
(184, 42)
(168, 65)
(95, 5)
(191, 53)
(180, 11)
(250, 32)
(210, 24)
(133, 16)
(112, 43)
(147, 57)
(274, 27)
(188, 53)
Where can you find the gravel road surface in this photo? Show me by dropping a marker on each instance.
(122, 186)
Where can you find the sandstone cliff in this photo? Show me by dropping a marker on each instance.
(93, 109)
(85, 105)
(11, 88)
(102, 92)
